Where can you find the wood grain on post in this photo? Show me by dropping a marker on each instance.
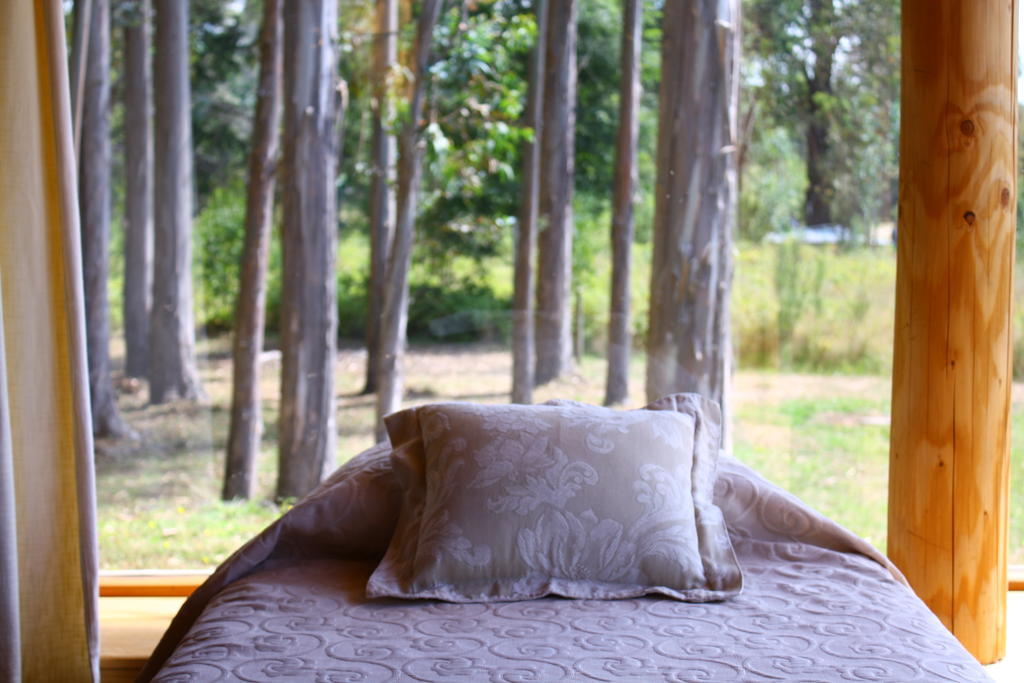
(952, 372)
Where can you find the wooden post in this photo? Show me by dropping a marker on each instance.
(949, 459)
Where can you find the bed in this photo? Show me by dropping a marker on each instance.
(817, 603)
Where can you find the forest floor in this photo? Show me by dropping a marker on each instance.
(823, 437)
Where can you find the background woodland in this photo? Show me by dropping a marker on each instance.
(279, 198)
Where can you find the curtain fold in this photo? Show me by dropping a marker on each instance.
(48, 585)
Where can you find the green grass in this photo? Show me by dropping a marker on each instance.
(153, 533)
(831, 452)
(1017, 483)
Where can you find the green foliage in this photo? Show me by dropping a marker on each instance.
(594, 287)
(795, 285)
(774, 184)
(224, 59)
(597, 114)
(357, 30)
(856, 101)
(218, 234)
(468, 311)
(814, 308)
(466, 300)
(471, 193)
(592, 274)
(353, 276)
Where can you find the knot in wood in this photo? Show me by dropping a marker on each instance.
(969, 217)
(1004, 197)
(967, 127)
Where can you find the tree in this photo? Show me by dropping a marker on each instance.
(308, 298)
(172, 360)
(824, 41)
(691, 269)
(800, 38)
(391, 379)
(385, 54)
(80, 23)
(138, 189)
(523, 341)
(245, 427)
(471, 190)
(827, 73)
(620, 337)
(94, 207)
(224, 71)
(554, 315)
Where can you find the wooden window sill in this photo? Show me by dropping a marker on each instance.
(150, 583)
(1016, 576)
(135, 609)
(130, 627)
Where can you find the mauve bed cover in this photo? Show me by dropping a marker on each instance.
(818, 604)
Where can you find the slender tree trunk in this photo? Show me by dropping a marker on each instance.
(382, 196)
(691, 270)
(818, 197)
(554, 302)
(306, 438)
(820, 186)
(172, 354)
(94, 207)
(620, 336)
(523, 343)
(391, 379)
(138, 193)
(80, 23)
(246, 422)
(579, 341)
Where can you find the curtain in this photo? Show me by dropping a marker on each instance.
(48, 568)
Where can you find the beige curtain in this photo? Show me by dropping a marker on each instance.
(48, 568)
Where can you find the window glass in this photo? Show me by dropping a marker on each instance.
(812, 301)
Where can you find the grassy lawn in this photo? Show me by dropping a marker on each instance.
(831, 451)
(823, 437)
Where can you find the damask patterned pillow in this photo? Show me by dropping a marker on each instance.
(517, 502)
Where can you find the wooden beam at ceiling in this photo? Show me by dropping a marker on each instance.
(952, 373)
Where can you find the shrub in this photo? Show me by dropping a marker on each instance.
(814, 308)
(218, 233)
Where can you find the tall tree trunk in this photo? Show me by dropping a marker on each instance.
(620, 336)
(246, 422)
(554, 310)
(824, 42)
(172, 353)
(94, 207)
(391, 379)
(309, 313)
(819, 193)
(523, 342)
(80, 23)
(138, 192)
(691, 270)
(382, 196)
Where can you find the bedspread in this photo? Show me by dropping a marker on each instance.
(818, 604)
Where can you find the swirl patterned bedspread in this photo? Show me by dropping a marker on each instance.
(818, 604)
